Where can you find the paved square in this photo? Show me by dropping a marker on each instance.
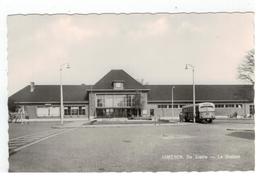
(222, 145)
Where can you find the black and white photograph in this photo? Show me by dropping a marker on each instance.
(133, 92)
(156, 88)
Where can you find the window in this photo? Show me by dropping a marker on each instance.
(206, 106)
(129, 101)
(119, 101)
(174, 106)
(115, 101)
(181, 105)
(82, 110)
(219, 106)
(74, 110)
(151, 112)
(67, 110)
(99, 103)
(252, 109)
(162, 106)
(230, 106)
(239, 106)
(54, 111)
(42, 111)
(48, 111)
(118, 85)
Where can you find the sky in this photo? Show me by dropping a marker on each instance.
(153, 48)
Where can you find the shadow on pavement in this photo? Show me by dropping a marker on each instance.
(243, 134)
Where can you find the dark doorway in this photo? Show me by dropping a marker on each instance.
(116, 112)
(151, 112)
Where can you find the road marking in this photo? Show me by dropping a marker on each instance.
(16, 145)
(11, 139)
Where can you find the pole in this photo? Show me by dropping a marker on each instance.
(61, 98)
(193, 83)
(193, 92)
(172, 103)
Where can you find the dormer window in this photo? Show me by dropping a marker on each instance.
(118, 85)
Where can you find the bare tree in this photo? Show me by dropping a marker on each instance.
(246, 70)
(138, 102)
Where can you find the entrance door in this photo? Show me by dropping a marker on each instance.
(111, 112)
(120, 112)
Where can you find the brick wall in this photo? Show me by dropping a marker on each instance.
(30, 111)
(167, 112)
(163, 112)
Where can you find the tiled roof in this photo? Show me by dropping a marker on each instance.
(203, 92)
(118, 75)
(51, 93)
(162, 93)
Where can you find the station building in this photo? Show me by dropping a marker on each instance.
(119, 95)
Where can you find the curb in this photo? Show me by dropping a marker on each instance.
(90, 125)
(241, 129)
(72, 125)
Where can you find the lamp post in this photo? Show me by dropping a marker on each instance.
(189, 66)
(62, 66)
(172, 102)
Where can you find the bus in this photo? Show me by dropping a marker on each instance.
(205, 112)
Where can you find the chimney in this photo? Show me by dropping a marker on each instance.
(32, 86)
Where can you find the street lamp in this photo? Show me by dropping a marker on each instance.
(62, 66)
(172, 102)
(189, 66)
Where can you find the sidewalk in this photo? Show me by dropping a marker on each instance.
(136, 125)
(72, 124)
(112, 123)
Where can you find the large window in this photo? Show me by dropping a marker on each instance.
(42, 111)
(74, 110)
(114, 101)
(48, 111)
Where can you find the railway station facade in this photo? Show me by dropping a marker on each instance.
(119, 95)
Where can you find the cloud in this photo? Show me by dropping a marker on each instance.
(186, 27)
(153, 47)
(65, 30)
(155, 27)
(159, 26)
